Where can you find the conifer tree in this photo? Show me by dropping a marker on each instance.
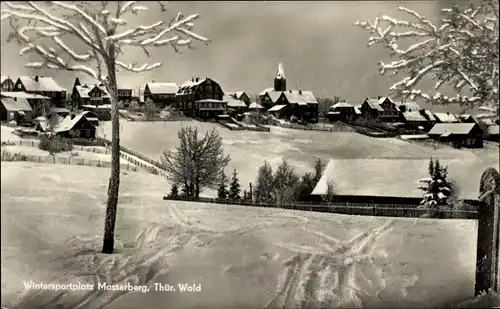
(234, 188)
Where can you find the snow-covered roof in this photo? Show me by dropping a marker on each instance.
(266, 90)
(4, 78)
(163, 88)
(236, 94)
(297, 96)
(446, 117)
(429, 115)
(68, 124)
(276, 108)
(396, 171)
(357, 110)
(232, 102)
(255, 105)
(20, 94)
(414, 136)
(191, 83)
(413, 116)
(341, 105)
(210, 101)
(451, 128)
(374, 104)
(20, 104)
(280, 73)
(44, 84)
(409, 106)
(84, 90)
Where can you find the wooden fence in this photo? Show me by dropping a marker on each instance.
(487, 213)
(10, 157)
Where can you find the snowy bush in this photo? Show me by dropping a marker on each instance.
(460, 51)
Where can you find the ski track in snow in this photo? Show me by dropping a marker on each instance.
(321, 275)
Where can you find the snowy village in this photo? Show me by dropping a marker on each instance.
(246, 155)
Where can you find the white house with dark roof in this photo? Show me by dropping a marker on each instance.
(299, 103)
(161, 94)
(343, 111)
(45, 86)
(240, 95)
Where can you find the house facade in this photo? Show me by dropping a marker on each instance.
(300, 104)
(161, 94)
(7, 84)
(93, 95)
(208, 109)
(44, 86)
(124, 94)
(343, 111)
(199, 90)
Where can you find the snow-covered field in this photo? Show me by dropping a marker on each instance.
(249, 149)
(52, 218)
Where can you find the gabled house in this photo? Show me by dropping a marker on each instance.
(299, 103)
(72, 126)
(370, 108)
(467, 135)
(161, 94)
(208, 108)
(89, 95)
(234, 105)
(44, 86)
(343, 111)
(7, 84)
(390, 111)
(415, 121)
(17, 109)
(446, 118)
(198, 89)
(240, 95)
(124, 94)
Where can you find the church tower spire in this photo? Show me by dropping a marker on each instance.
(280, 79)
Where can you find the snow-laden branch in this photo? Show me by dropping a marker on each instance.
(462, 52)
(101, 33)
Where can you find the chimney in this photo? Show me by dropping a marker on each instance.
(72, 116)
(153, 81)
(290, 90)
(197, 79)
(192, 79)
(300, 91)
(402, 108)
(379, 97)
(36, 78)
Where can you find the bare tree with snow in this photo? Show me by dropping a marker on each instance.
(101, 28)
(460, 52)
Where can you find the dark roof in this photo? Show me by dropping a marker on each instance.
(19, 105)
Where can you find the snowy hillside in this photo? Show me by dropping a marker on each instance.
(52, 220)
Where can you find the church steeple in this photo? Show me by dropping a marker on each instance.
(280, 79)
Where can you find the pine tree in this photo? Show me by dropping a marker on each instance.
(234, 188)
(437, 189)
(222, 192)
(174, 191)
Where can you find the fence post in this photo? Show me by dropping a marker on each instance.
(488, 235)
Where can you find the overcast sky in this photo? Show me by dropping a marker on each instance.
(320, 49)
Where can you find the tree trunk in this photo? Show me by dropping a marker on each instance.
(114, 180)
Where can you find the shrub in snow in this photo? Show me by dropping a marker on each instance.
(54, 144)
(437, 188)
(174, 191)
